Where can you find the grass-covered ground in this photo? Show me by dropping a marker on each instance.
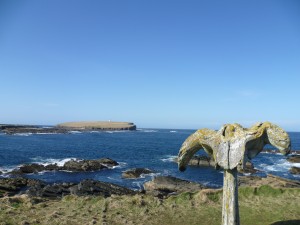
(258, 206)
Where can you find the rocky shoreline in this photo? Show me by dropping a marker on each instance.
(159, 186)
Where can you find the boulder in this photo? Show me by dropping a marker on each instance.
(135, 173)
(294, 158)
(92, 187)
(108, 162)
(51, 167)
(165, 185)
(31, 168)
(83, 165)
(12, 186)
(249, 168)
(295, 170)
(50, 191)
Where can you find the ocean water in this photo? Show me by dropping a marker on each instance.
(154, 149)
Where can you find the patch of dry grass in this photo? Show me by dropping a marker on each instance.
(260, 206)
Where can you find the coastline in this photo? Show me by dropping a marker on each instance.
(263, 204)
(68, 127)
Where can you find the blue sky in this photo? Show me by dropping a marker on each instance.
(158, 63)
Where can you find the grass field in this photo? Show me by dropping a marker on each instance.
(258, 206)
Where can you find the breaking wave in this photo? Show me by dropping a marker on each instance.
(45, 162)
(282, 165)
(147, 130)
(23, 134)
(169, 158)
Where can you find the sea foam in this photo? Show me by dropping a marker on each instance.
(48, 161)
(169, 158)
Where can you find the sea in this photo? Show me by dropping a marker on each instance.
(154, 149)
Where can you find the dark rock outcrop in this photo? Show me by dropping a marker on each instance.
(72, 165)
(165, 185)
(108, 162)
(31, 168)
(84, 188)
(135, 173)
(15, 129)
(92, 187)
(37, 188)
(294, 158)
(50, 191)
(11, 186)
(83, 165)
(51, 167)
(295, 170)
(249, 168)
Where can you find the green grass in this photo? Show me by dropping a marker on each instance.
(259, 206)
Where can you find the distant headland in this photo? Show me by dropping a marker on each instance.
(67, 127)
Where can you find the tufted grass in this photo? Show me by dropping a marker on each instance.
(260, 206)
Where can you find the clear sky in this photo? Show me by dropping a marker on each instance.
(157, 63)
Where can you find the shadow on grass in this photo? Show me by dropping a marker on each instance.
(287, 222)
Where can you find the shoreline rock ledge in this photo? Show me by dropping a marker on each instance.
(98, 125)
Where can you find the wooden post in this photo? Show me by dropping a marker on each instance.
(230, 211)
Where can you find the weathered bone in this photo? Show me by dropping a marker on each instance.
(230, 146)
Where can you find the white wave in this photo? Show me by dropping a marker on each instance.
(110, 132)
(111, 178)
(23, 134)
(117, 131)
(48, 161)
(75, 132)
(281, 165)
(246, 174)
(273, 153)
(94, 131)
(295, 164)
(152, 175)
(121, 165)
(296, 175)
(147, 131)
(169, 158)
(7, 169)
(173, 131)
